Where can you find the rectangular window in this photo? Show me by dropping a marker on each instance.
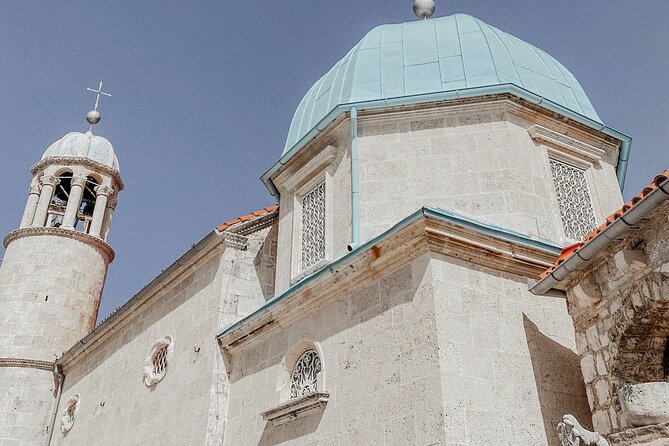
(573, 194)
(313, 227)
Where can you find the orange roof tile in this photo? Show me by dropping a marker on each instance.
(570, 250)
(246, 217)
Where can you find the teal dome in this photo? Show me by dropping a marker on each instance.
(414, 60)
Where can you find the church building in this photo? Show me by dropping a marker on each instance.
(435, 271)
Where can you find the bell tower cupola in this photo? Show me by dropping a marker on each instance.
(54, 268)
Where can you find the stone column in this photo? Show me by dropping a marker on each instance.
(31, 205)
(73, 202)
(106, 224)
(48, 185)
(99, 211)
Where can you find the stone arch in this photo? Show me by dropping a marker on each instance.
(302, 345)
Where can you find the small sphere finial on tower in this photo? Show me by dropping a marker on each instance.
(93, 117)
(423, 8)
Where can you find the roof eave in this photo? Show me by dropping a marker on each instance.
(493, 231)
(603, 239)
(621, 168)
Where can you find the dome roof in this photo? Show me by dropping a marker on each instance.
(84, 145)
(445, 54)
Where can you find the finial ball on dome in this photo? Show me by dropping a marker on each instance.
(423, 8)
(93, 117)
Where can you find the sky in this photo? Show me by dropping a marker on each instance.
(204, 92)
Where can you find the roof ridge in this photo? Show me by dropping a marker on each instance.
(264, 211)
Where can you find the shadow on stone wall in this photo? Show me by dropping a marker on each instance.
(557, 373)
(265, 262)
(288, 432)
(347, 363)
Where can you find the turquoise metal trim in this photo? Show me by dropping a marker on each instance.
(484, 228)
(495, 231)
(515, 90)
(355, 182)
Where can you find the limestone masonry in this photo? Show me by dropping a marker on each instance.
(434, 273)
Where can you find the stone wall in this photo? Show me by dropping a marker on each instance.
(26, 402)
(477, 160)
(50, 289)
(621, 315)
(433, 352)
(117, 407)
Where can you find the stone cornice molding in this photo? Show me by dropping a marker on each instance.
(70, 160)
(296, 175)
(105, 249)
(424, 232)
(296, 408)
(570, 145)
(27, 363)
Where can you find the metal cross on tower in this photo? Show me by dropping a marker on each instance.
(98, 93)
(93, 116)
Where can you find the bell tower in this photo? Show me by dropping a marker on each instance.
(52, 275)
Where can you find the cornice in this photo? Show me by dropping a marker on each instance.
(426, 231)
(70, 160)
(27, 363)
(97, 243)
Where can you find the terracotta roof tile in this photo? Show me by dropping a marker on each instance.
(246, 217)
(570, 250)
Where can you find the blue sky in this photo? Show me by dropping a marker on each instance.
(203, 94)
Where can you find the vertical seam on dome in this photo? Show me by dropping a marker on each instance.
(562, 69)
(404, 62)
(381, 88)
(513, 64)
(526, 66)
(352, 60)
(334, 82)
(436, 41)
(489, 50)
(462, 59)
(543, 62)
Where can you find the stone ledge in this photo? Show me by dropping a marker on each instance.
(296, 408)
(96, 242)
(26, 363)
(654, 435)
(70, 160)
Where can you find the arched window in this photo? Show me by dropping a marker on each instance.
(157, 363)
(85, 213)
(59, 200)
(69, 414)
(304, 379)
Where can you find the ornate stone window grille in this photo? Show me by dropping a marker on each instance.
(157, 363)
(304, 379)
(573, 194)
(313, 227)
(69, 414)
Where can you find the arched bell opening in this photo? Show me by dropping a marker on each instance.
(59, 200)
(87, 205)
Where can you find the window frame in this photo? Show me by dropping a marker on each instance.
(151, 377)
(297, 272)
(584, 167)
